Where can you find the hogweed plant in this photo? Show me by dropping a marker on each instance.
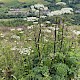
(40, 51)
(60, 23)
(38, 8)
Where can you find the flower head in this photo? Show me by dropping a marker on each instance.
(19, 29)
(61, 3)
(35, 22)
(2, 35)
(43, 16)
(24, 19)
(45, 8)
(60, 12)
(57, 12)
(13, 29)
(48, 22)
(15, 37)
(39, 6)
(25, 50)
(50, 14)
(32, 7)
(76, 32)
(32, 18)
(67, 10)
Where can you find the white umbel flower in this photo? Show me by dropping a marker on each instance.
(45, 8)
(38, 6)
(25, 51)
(47, 31)
(19, 29)
(15, 37)
(37, 11)
(48, 22)
(13, 29)
(60, 12)
(43, 16)
(67, 10)
(2, 35)
(42, 24)
(24, 19)
(50, 14)
(76, 32)
(61, 3)
(30, 27)
(35, 23)
(57, 12)
(32, 7)
(32, 18)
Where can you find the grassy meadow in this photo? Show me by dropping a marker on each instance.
(39, 41)
(19, 54)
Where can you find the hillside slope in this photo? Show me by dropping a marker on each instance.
(26, 1)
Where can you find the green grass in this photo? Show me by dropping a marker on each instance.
(7, 1)
(26, 1)
(30, 1)
(10, 3)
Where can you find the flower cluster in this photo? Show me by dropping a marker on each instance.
(12, 29)
(19, 29)
(32, 18)
(24, 19)
(25, 50)
(37, 7)
(47, 31)
(15, 37)
(43, 17)
(76, 32)
(48, 22)
(61, 3)
(60, 12)
(2, 35)
(66, 10)
(30, 27)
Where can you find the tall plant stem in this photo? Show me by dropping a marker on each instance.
(62, 36)
(55, 37)
(38, 45)
(55, 40)
(38, 40)
(35, 39)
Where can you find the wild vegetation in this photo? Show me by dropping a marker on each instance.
(39, 41)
